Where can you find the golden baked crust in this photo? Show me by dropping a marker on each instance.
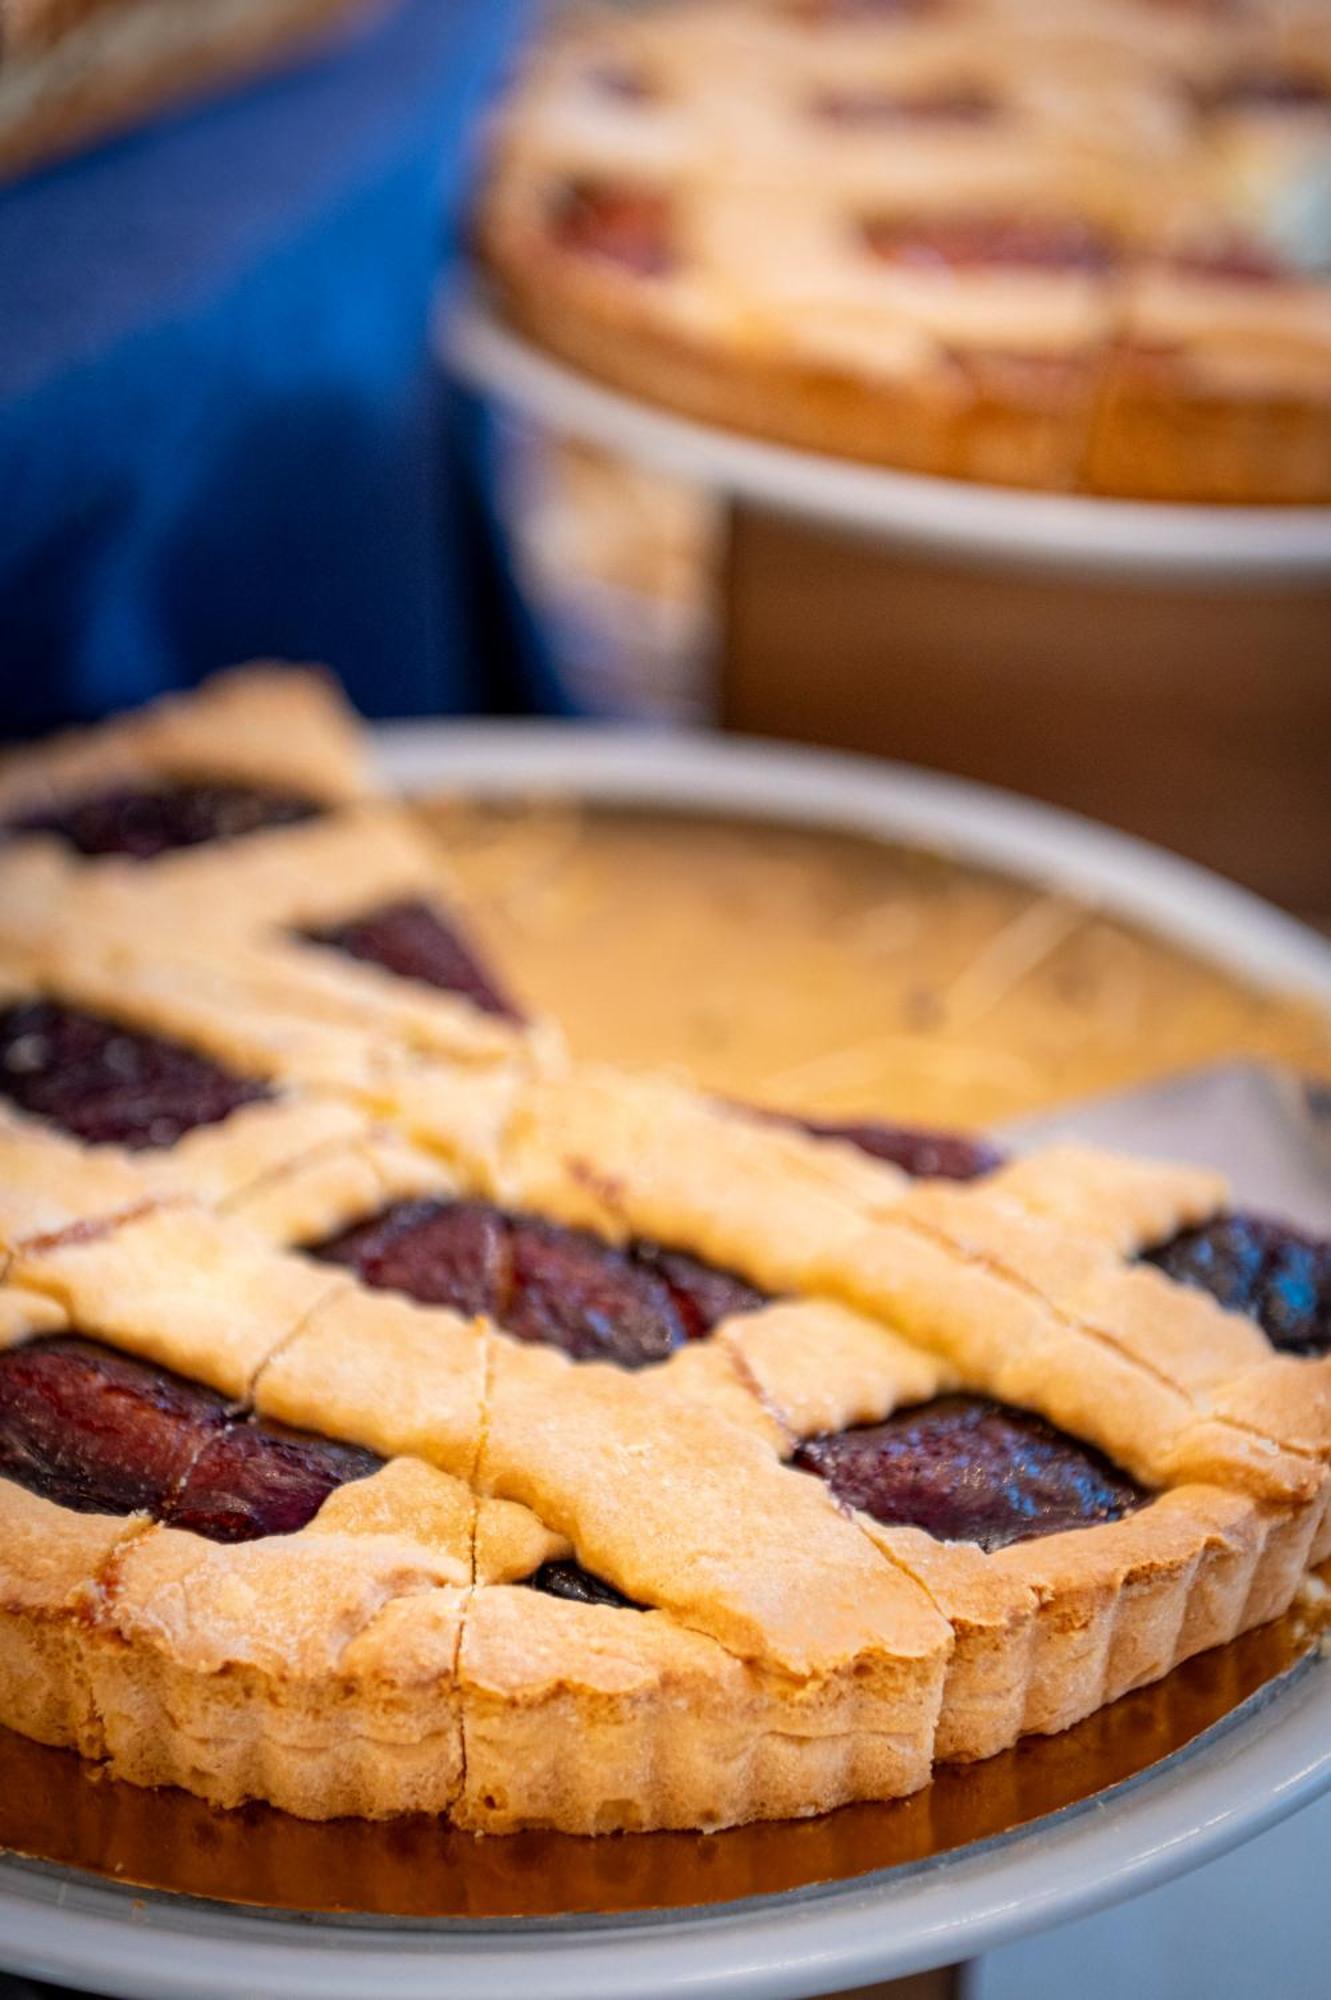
(234, 917)
(207, 942)
(264, 724)
(757, 1648)
(1132, 343)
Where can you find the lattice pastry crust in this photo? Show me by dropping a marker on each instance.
(1061, 248)
(741, 1638)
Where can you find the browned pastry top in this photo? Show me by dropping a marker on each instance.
(401, 1413)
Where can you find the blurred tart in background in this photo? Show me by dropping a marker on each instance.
(1079, 247)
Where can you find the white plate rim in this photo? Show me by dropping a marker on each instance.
(1227, 547)
(1250, 1771)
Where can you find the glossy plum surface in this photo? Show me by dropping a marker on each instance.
(966, 1469)
(617, 224)
(105, 1433)
(111, 1085)
(1276, 1275)
(577, 1585)
(986, 241)
(917, 1150)
(542, 1281)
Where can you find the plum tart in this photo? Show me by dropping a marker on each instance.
(398, 1416)
(1072, 248)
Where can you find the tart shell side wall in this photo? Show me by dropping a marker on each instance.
(1129, 432)
(927, 430)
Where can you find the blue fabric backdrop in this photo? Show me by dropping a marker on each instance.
(220, 433)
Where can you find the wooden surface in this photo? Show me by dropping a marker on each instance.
(1197, 717)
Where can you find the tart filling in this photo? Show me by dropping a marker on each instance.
(576, 1585)
(103, 1433)
(923, 1154)
(967, 1469)
(875, 110)
(142, 821)
(985, 242)
(107, 1084)
(1274, 1274)
(542, 1281)
(622, 81)
(830, 11)
(617, 224)
(1269, 88)
(411, 940)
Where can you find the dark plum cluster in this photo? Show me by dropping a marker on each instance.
(540, 1281)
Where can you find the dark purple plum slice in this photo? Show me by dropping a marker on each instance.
(816, 12)
(570, 1290)
(412, 941)
(97, 1430)
(1276, 1275)
(876, 109)
(257, 1479)
(542, 1281)
(969, 1470)
(616, 224)
(111, 1085)
(916, 1151)
(105, 1433)
(703, 1295)
(143, 821)
(924, 1154)
(985, 242)
(440, 1253)
(623, 81)
(1268, 87)
(1237, 260)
